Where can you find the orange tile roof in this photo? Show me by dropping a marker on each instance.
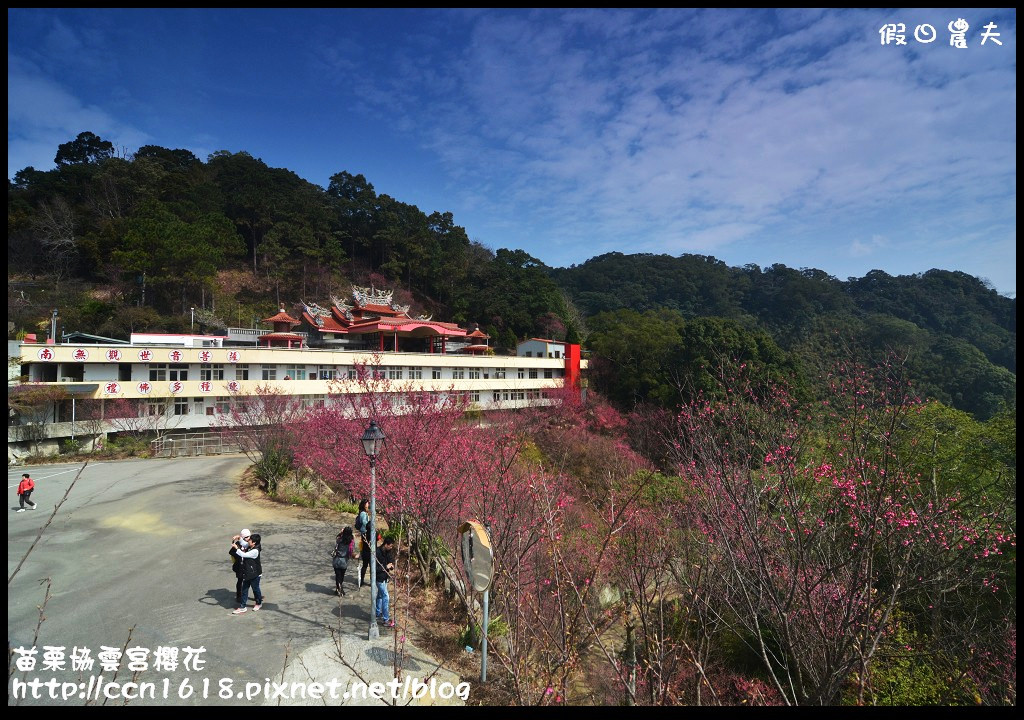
(330, 324)
(282, 316)
(379, 309)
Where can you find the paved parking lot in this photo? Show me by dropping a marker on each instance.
(137, 557)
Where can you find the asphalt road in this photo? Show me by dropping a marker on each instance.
(137, 557)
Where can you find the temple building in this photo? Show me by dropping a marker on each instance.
(373, 321)
(282, 336)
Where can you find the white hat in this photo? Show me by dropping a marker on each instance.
(245, 532)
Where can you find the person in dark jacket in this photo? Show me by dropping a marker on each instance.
(242, 539)
(365, 555)
(363, 528)
(385, 568)
(344, 550)
(252, 571)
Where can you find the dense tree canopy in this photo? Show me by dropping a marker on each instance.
(958, 335)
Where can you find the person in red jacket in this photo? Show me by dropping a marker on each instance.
(25, 488)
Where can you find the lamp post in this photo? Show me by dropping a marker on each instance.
(193, 327)
(373, 442)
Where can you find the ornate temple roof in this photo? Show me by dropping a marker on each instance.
(281, 317)
(371, 311)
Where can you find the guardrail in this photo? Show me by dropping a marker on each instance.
(195, 444)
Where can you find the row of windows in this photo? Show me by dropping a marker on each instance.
(165, 372)
(223, 405)
(557, 354)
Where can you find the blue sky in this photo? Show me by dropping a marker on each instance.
(763, 137)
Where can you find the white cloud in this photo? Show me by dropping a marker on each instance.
(617, 133)
(863, 248)
(41, 114)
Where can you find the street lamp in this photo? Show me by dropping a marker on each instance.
(373, 442)
(193, 328)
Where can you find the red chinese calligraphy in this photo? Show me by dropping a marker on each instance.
(145, 355)
(144, 388)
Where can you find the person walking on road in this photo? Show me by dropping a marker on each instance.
(252, 571)
(25, 488)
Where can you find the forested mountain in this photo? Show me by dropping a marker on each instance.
(958, 336)
(131, 243)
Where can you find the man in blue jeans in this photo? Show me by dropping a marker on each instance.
(385, 566)
(252, 571)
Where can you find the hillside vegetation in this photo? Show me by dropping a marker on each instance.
(121, 243)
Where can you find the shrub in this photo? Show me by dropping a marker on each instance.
(346, 506)
(496, 628)
(127, 445)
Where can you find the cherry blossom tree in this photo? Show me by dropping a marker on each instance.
(433, 464)
(818, 528)
(266, 426)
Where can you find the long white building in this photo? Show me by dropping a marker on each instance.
(190, 380)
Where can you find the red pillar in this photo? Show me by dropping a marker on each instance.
(572, 365)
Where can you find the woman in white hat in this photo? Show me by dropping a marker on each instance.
(242, 540)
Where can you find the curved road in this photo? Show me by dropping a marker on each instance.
(140, 546)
